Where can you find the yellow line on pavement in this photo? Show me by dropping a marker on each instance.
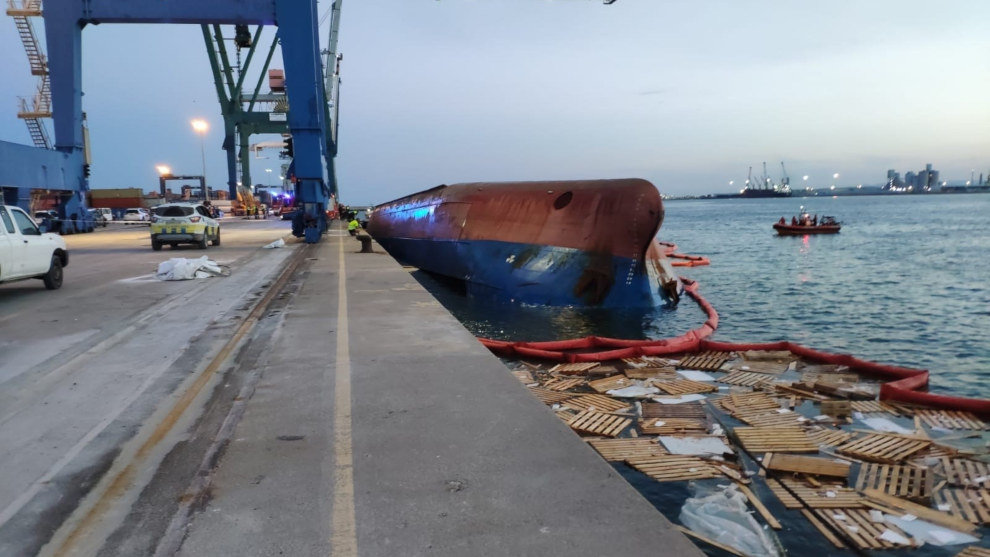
(343, 538)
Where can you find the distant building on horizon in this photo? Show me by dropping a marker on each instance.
(922, 181)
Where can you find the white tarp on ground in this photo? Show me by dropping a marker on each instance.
(181, 268)
(276, 244)
(723, 516)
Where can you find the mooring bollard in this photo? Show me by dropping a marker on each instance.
(365, 243)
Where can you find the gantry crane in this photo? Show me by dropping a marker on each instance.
(249, 113)
(66, 168)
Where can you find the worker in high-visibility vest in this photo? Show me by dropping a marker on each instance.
(352, 227)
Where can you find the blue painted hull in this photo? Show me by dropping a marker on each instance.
(533, 274)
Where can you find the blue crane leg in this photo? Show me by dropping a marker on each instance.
(299, 37)
(64, 39)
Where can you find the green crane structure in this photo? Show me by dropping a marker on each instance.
(246, 113)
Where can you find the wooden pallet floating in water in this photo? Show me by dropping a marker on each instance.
(743, 404)
(805, 465)
(884, 502)
(965, 472)
(837, 542)
(597, 423)
(651, 373)
(951, 419)
(823, 496)
(674, 468)
(789, 501)
(705, 361)
(622, 449)
(565, 414)
(972, 505)
(933, 451)
(909, 482)
(563, 383)
(672, 426)
(645, 361)
(576, 368)
(600, 403)
(883, 447)
(812, 377)
(607, 384)
(829, 437)
(549, 397)
(873, 407)
(683, 410)
(684, 387)
(974, 551)
(858, 528)
(746, 379)
(775, 439)
(773, 419)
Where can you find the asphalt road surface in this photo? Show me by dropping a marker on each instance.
(84, 368)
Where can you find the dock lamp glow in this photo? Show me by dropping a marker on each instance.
(200, 126)
(163, 173)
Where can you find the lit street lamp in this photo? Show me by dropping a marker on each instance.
(200, 126)
(163, 170)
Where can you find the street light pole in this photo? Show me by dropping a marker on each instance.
(201, 126)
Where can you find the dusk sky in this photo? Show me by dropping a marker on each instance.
(685, 94)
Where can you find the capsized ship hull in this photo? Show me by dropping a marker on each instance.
(566, 243)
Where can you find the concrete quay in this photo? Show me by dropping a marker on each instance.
(325, 404)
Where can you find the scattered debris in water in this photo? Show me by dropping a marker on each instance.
(866, 474)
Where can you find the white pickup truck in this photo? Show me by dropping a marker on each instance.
(26, 252)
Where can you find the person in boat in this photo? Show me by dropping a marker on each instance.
(782, 221)
(814, 221)
(793, 221)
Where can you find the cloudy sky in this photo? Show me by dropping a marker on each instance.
(686, 94)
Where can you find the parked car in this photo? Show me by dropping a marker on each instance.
(27, 252)
(106, 213)
(98, 218)
(48, 221)
(183, 223)
(136, 215)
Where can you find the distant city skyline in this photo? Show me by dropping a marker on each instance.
(685, 95)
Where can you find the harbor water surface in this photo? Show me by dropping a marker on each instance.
(906, 282)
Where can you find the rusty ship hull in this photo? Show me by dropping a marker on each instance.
(564, 243)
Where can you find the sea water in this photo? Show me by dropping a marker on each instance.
(906, 282)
